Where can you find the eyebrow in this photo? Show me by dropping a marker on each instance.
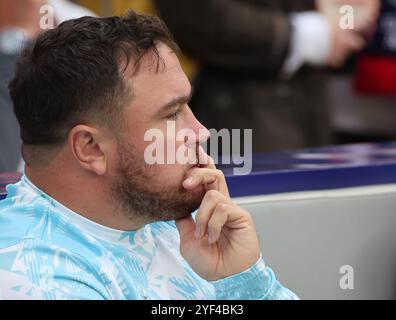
(176, 101)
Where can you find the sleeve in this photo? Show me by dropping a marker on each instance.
(230, 34)
(310, 43)
(297, 5)
(32, 269)
(256, 283)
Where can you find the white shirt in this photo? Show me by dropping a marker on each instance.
(310, 42)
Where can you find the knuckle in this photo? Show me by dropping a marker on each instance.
(220, 173)
(222, 207)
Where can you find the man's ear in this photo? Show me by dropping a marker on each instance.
(89, 146)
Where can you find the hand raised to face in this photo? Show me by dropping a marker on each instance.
(222, 241)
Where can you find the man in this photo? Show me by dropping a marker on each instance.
(262, 63)
(90, 218)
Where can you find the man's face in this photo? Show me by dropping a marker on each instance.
(154, 192)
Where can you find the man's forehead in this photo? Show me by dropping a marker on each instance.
(156, 84)
(156, 61)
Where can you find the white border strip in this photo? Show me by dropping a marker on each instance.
(320, 194)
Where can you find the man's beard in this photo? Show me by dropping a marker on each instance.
(143, 197)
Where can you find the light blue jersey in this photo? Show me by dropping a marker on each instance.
(48, 251)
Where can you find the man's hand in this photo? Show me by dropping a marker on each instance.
(223, 241)
(366, 12)
(346, 42)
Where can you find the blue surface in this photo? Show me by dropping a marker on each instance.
(316, 169)
(304, 170)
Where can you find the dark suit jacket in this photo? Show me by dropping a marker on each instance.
(241, 46)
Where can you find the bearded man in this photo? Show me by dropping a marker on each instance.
(90, 219)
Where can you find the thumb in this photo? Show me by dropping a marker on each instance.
(186, 228)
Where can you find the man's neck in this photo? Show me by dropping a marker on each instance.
(84, 196)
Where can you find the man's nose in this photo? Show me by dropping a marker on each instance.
(200, 131)
(203, 135)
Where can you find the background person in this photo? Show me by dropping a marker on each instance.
(260, 63)
(19, 24)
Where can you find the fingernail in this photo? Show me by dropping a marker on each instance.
(189, 180)
(197, 232)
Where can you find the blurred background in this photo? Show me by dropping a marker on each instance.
(291, 70)
(295, 73)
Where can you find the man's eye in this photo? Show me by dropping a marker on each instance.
(174, 115)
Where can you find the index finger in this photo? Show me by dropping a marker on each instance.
(204, 160)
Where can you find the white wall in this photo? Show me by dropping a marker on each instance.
(306, 237)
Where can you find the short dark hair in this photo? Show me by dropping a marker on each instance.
(74, 74)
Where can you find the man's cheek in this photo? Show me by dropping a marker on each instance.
(171, 173)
